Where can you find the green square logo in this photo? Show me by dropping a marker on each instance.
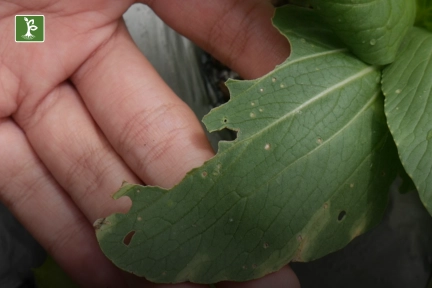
(29, 28)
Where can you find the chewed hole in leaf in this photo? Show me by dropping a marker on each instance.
(122, 205)
(128, 238)
(341, 215)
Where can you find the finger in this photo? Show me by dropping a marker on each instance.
(77, 154)
(284, 278)
(40, 204)
(148, 125)
(135, 281)
(237, 32)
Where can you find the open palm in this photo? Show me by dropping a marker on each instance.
(84, 111)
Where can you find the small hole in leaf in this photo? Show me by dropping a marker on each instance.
(128, 238)
(225, 120)
(341, 215)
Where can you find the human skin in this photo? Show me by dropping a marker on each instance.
(85, 110)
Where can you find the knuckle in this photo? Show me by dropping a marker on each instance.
(149, 136)
(87, 172)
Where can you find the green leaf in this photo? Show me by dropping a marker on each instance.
(308, 172)
(50, 275)
(372, 29)
(407, 84)
(424, 14)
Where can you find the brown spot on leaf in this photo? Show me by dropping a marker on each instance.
(100, 222)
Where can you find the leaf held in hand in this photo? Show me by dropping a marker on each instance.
(407, 84)
(308, 172)
(372, 29)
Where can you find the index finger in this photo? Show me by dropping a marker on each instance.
(239, 33)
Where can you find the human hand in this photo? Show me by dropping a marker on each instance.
(85, 110)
